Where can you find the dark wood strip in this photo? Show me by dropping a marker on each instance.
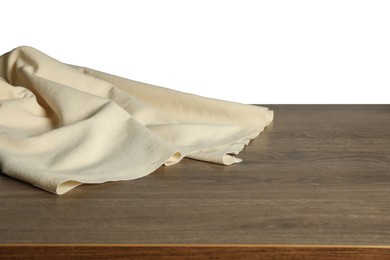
(192, 252)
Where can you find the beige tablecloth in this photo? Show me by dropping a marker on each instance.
(63, 125)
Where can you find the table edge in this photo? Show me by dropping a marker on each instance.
(194, 251)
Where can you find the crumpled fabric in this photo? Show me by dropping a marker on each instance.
(63, 125)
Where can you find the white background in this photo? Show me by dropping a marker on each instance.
(264, 52)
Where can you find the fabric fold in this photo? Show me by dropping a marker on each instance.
(63, 125)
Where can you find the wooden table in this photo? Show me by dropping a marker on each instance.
(315, 183)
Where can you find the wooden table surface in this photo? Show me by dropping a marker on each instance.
(316, 182)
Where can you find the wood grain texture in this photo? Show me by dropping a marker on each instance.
(319, 175)
(192, 252)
